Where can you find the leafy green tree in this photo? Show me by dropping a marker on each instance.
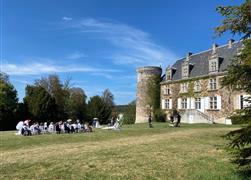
(108, 104)
(76, 105)
(95, 106)
(237, 20)
(8, 103)
(58, 90)
(22, 112)
(41, 105)
(101, 107)
(129, 113)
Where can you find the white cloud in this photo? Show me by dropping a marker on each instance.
(38, 69)
(133, 46)
(76, 55)
(66, 18)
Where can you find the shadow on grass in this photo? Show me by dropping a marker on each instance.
(244, 168)
(244, 173)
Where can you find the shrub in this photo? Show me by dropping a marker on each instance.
(159, 116)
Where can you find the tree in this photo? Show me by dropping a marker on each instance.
(129, 113)
(108, 104)
(76, 105)
(101, 107)
(41, 105)
(8, 103)
(95, 106)
(236, 20)
(58, 90)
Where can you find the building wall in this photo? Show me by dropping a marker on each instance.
(228, 100)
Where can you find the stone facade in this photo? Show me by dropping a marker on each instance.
(144, 76)
(193, 87)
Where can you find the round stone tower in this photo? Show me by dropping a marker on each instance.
(144, 76)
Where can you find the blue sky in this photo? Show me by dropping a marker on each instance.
(99, 44)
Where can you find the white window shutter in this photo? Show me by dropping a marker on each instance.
(170, 104)
(179, 103)
(188, 103)
(218, 102)
(192, 103)
(207, 103)
(163, 103)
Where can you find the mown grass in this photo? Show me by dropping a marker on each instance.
(136, 152)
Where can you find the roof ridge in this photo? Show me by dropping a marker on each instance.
(207, 50)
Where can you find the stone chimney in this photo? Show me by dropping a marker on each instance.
(214, 48)
(230, 43)
(189, 54)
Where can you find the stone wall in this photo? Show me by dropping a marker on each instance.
(144, 76)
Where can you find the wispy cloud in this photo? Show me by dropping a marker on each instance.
(76, 55)
(39, 68)
(66, 18)
(133, 46)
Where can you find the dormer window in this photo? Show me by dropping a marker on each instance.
(168, 73)
(186, 66)
(214, 60)
(214, 65)
(185, 71)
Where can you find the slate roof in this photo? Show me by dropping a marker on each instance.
(200, 62)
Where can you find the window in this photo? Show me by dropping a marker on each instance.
(197, 86)
(213, 65)
(168, 74)
(167, 90)
(212, 84)
(184, 87)
(197, 103)
(213, 102)
(244, 101)
(184, 103)
(167, 103)
(185, 69)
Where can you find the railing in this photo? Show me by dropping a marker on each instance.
(208, 118)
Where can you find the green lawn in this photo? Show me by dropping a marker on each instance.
(136, 152)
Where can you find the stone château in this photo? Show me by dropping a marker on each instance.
(192, 85)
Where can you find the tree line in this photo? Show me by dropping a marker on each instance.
(50, 99)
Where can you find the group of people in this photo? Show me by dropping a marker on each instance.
(24, 127)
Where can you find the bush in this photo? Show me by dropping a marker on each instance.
(159, 116)
(130, 113)
(244, 119)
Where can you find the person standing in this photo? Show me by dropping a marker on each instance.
(178, 118)
(150, 120)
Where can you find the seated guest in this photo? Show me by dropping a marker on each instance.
(58, 129)
(51, 128)
(26, 130)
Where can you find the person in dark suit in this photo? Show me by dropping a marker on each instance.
(150, 120)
